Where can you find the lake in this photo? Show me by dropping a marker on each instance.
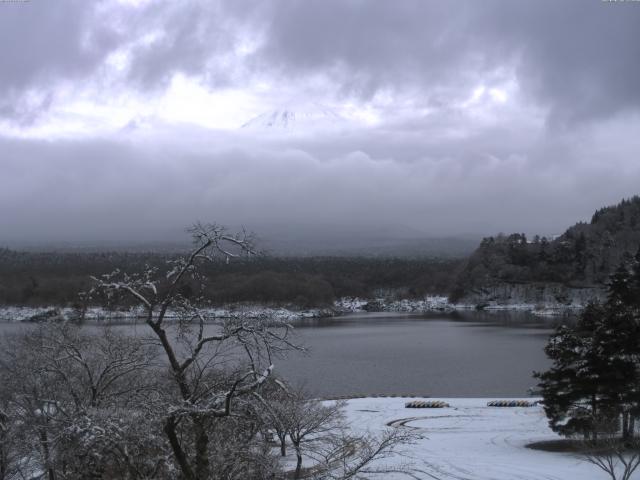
(463, 354)
(466, 354)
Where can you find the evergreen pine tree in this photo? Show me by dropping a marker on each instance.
(619, 289)
(595, 377)
(619, 342)
(572, 389)
(635, 282)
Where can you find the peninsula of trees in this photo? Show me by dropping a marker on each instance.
(582, 257)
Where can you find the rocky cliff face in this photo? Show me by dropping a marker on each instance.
(535, 295)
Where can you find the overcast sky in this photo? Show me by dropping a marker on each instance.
(121, 119)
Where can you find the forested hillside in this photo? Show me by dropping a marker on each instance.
(40, 279)
(583, 257)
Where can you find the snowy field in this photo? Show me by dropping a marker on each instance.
(470, 441)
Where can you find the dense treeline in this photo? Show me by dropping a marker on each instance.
(28, 278)
(585, 255)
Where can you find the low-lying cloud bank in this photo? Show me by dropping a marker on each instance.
(141, 187)
(120, 119)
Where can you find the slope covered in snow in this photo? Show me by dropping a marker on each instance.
(296, 117)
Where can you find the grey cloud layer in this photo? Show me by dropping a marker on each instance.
(41, 41)
(563, 146)
(579, 57)
(110, 190)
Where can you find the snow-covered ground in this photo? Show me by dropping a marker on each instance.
(470, 441)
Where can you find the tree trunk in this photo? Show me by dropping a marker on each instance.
(202, 450)
(625, 426)
(594, 413)
(283, 444)
(296, 446)
(181, 457)
(3, 464)
(44, 442)
(298, 465)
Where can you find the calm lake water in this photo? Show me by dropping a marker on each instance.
(461, 354)
(478, 354)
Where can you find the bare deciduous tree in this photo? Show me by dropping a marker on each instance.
(57, 375)
(617, 458)
(203, 393)
(275, 401)
(9, 458)
(317, 430)
(349, 456)
(312, 423)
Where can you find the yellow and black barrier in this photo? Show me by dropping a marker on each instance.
(426, 404)
(511, 403)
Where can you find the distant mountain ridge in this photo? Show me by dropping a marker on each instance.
(571, 268)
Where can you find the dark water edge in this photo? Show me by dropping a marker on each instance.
(458, 354)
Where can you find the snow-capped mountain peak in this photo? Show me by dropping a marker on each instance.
(297, 117)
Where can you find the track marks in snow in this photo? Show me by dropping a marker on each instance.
(471, 441)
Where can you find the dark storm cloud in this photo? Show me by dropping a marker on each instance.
(45, 44)
(370, 45)
(580, 57)
(191, 38)
(577, 57)
(43, 41)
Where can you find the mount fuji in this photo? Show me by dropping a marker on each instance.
(300, 117)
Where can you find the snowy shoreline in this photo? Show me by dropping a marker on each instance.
(438, 303)
(37, 314)
(342, 306)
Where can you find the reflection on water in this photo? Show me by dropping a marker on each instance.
(486, 354)
(513, 319)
